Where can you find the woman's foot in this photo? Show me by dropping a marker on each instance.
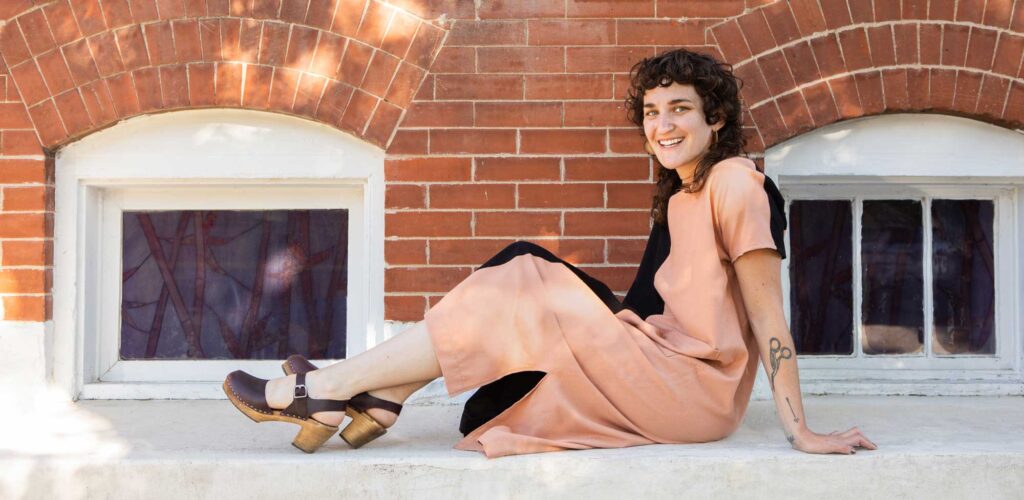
(280, 393)
(263, 400)
(297, 363)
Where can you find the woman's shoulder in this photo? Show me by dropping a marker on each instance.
(734, 164)
(734, 171)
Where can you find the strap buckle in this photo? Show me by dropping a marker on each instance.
(300, 391)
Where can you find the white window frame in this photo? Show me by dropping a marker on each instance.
(199, 159)
(920, 364)
(911, 156)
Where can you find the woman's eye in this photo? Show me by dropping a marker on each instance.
(679, 109)
(650, 113)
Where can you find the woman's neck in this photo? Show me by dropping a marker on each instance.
(686, 172)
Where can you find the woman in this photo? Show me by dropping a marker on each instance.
(576, 368)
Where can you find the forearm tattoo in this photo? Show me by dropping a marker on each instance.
(795, 419)
(776, 354)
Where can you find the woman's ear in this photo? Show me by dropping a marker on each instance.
(719, 124)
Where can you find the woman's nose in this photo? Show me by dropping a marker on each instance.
(664, 124)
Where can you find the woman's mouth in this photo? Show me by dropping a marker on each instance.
(670, 143)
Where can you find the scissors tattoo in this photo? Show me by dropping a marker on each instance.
(776, 354)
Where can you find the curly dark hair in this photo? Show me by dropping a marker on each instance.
(719, 91)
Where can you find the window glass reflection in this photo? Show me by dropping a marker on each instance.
(820, 272)
(892, 276)
(227, 284)
(963, 277)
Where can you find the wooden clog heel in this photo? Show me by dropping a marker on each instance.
(363, 428)
(312, 435)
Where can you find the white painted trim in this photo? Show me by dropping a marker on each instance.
(216, 159)
(433, 394)
(915, 156)
(23, 356)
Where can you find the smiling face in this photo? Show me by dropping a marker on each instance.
(675, 127)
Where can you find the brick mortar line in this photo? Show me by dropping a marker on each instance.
(29, 185)
(603, 154)
(882, 68)
(369, 119)
(750, 10)
(818, 34)
(653, 47)
(539, 238)
(608, 265)
(519, 127)
(513, 183)
(551, 210)
(1019, 64)
(438, 295)
(515, 127)
(560, 209)
(287, 45)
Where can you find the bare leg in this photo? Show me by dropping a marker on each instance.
(406, 358)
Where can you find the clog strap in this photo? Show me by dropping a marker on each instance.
(364, 401)
(304, 406)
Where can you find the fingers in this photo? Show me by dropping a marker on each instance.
(845, 442)
(866, 443)
(854, 437)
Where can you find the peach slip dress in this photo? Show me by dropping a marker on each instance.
(612, 381)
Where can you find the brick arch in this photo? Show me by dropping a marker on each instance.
(80, 67)
(805, 67)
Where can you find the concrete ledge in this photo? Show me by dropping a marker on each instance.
(952, 447)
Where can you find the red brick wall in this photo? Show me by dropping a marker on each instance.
(501, 121)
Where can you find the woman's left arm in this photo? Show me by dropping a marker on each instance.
(758, 273)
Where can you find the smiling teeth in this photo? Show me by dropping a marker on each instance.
(670, 142)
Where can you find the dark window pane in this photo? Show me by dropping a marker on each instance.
(248, 285)
(963, 277)
(820, 271)
(891, 251)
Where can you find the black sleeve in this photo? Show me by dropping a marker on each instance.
(642, 298)
(778, 206)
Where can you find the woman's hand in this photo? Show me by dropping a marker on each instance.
(833, 442)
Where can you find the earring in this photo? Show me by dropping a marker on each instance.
(716, 138)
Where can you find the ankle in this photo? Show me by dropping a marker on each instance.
(392, 394)
(326, 387)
